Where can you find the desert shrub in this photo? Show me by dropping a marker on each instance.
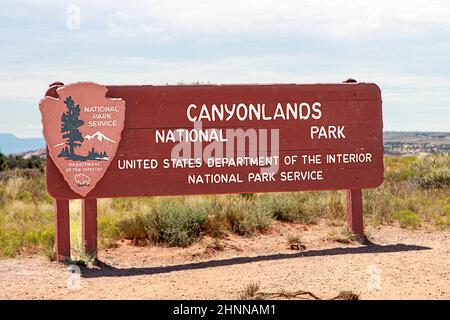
(3, 196)
(434, 172)
(23, 195)
(446, 209)
(379, 205)
(24, 185)
(416, 190)
(302, 207)
(335, 205)
(443, 220)
(342, 236)
(14, 185)
(108, 230)
(315, 205)
(427, 172)
(399, 168)
(123, 204)
(245, 216)
(445, 200)
(17, 162)
(36, 186)
(406, 174)
(407, 218)
(132, 227)
(10, 243)
(3, 162)
(281, 206)
(215, 225)
(176, 222)
(25, 227)
(249, 291)
(294, 239)
(435, 178)
(41, 240)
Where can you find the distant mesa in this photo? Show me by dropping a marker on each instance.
(99, 136)
(10, 144)
(40, 153)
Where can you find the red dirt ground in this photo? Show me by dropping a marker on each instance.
(400, 264)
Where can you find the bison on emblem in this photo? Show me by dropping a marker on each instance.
(82, 180)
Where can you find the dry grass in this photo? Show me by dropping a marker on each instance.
(251, 292)
(416, 193)
(342, 236)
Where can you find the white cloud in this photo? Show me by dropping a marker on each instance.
(401, 45)
(340, 18)
(337, 18)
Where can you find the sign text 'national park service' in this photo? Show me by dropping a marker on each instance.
(82, 129)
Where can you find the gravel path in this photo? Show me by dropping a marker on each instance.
(400, 264)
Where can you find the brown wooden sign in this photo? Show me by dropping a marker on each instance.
(210, 139)
(329, 137)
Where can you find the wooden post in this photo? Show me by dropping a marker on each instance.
(355, 212)
(89, 225)
(62, 230)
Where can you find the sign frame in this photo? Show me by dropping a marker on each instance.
(62, 194)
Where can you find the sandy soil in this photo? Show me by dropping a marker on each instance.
(400, 264)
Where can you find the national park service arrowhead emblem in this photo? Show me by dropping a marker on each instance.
(82, 129)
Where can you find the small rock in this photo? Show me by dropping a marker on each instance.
(297, 246)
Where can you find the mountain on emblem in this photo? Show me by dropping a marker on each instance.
(99, 136)
(81, 146)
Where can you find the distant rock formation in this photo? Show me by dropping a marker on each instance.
(10, 144)
(40, 153)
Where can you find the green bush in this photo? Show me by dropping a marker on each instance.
(176, 222)
(399, 168)
(406, 174)
(407, 218)
(447, 210)
(282, 206)
(108, 230)
(245, 216)
(215, 225)
(14, 241)
(17, 162)
(335, 205)
(443, 221)
(132, 228)
(434, 172)
(3, 196)
(435, 178)
(10, 243)
(302, 207)
(24, 195)
(414, 187)
(379, 204)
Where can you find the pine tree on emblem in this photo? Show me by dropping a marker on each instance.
(70, 123)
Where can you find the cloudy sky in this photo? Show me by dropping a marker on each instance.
(403, 46)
